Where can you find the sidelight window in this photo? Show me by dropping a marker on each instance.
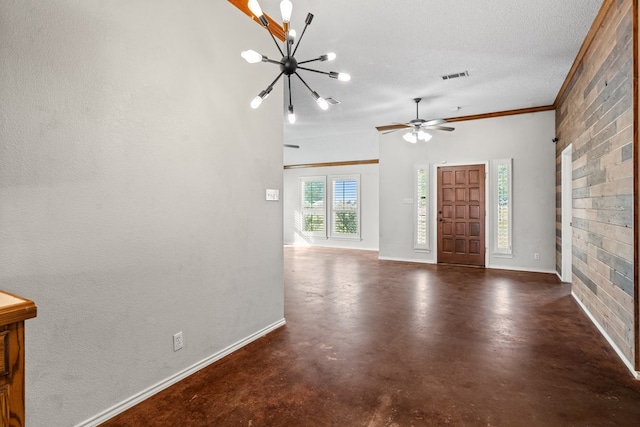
(503, 216)
(421, 208)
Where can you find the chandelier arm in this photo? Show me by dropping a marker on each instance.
(289, 81)
(274, 40)
(315, 71)
(286, 42)
(271, 61)
(308, 60)
(305, 83)
(300, 39)
(275, 81)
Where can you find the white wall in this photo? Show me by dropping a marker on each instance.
(339, 148)
(369, 194)
(524, 138)
(130, 184)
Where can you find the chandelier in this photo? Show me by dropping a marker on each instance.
(288, 64)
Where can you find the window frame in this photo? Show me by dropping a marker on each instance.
(497, 164)
(332, 179)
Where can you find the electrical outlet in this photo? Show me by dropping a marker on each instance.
(178, 342)
(536, 255)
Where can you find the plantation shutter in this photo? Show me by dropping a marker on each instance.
(421, 230)
(345, 206)
(313, 209)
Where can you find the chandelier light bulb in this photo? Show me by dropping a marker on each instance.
(340, 76)
(286, 7)
(328, 57)
(291, 116)
(255, 8)
(251, 56)
(256, 102)
(322, 103)
(261, 97)
(291, 36)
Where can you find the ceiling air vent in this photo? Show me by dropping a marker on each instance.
(455, 75)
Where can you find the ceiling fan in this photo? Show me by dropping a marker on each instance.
(418, 127)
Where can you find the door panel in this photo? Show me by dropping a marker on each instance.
(461, 215)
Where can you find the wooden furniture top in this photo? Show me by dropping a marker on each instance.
(14, 308)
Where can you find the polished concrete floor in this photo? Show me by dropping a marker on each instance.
(381, 343)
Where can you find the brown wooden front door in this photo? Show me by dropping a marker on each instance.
(461, 215)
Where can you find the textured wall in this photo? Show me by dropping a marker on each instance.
(525, 138)
(132, 193)
(335, 148)
(596, 115)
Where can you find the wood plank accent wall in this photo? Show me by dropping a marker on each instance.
(636, 180)
(596, 114)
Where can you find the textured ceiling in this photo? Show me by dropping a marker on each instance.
(517, 53)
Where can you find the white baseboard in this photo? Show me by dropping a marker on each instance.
(145, 394)
(496, 267)
(298, 245)
(419, 261)
(527, 269)
(613, 345)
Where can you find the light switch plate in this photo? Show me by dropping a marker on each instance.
(273, 194)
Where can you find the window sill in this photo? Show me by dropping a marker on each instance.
(353, 239)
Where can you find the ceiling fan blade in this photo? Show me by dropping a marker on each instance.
(392, 127)
(392, 130)
(291, 146)
(417, 123)
(445, 128)
(435, 122)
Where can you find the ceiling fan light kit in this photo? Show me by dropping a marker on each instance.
(288, 64)
(417, 127)
(410, 137)
(413, 136)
